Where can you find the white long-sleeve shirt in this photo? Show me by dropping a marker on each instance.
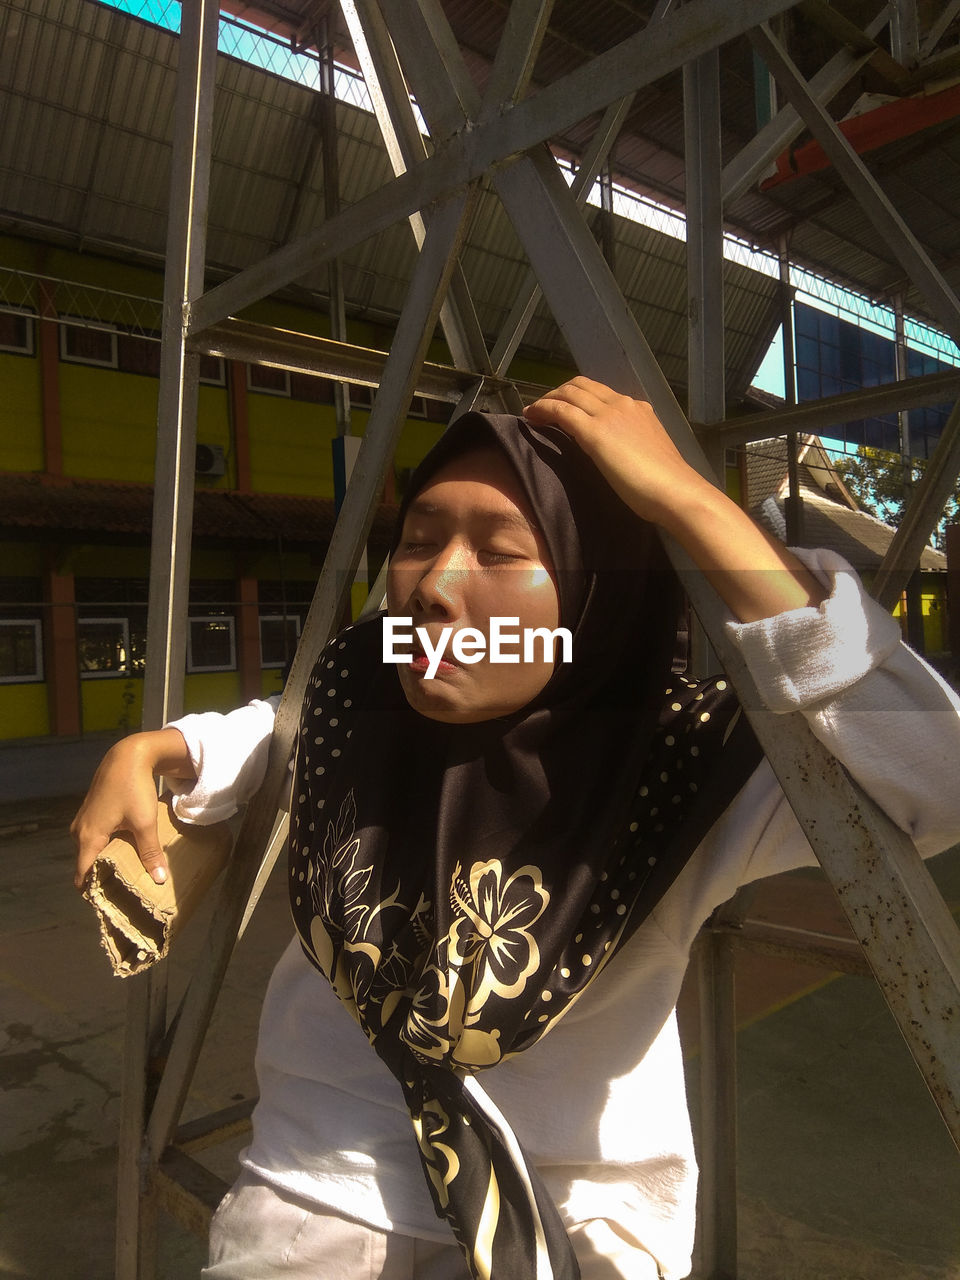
(599, 1103)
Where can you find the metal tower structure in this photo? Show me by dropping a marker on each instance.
(905, 932)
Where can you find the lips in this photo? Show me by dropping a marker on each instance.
(420, 662)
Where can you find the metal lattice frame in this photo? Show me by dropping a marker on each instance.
(868, 860)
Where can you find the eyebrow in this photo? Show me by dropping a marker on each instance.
(504, 519)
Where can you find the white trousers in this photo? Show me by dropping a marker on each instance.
(261, 1233)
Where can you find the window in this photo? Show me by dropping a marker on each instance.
(311, 387)
(362, 397)
(274, 382)
(88, 342)
(278, 639)
(210, 644)
(139, 354)
(212, 371)
(17, 330)
(104, 647)
(21, 650)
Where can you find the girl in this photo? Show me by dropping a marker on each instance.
(497, 871)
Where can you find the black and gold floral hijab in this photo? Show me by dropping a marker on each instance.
(461, 885)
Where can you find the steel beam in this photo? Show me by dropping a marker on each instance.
(842, 28)
(405, 149)
(512, 71)
(905, 32)
(940, 298)
(414, 330)
(926, 506)
(812, 416)
(805, 946)
(706, 402)
(748, 165)
(937, 28)
(705, 363)
(331, 207)
(662, 47)
(528, 295)
(169, 581)
(345, 362)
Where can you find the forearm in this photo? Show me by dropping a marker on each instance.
(754, 575)
(163, 750)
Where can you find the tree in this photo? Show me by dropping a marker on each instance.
(876, 478)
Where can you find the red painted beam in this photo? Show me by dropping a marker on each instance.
(872, 129)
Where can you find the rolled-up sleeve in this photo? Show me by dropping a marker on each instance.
(229, 755)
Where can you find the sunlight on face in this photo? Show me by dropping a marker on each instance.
(470, 551)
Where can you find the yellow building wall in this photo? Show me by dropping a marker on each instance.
(23, 711)
(271, 679)
(112, 702)
(21, 420)
(291, 445)
(212, 691)
(109, 423)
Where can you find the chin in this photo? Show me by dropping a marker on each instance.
(435, 700)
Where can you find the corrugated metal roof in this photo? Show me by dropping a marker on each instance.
(87, 104)
(88, 113)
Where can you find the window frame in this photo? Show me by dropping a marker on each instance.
(277, 617)
(124, 672)
(37, 677)
(68, 322)
(30, 315)
(192, 668)
(283, 393)
(221, 379)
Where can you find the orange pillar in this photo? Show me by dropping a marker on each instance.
(63, 680)
(248, 638)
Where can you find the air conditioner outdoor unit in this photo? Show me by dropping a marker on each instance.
(210, 460)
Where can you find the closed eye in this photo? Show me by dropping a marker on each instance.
(500, 557)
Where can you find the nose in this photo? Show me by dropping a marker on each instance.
(439, 589)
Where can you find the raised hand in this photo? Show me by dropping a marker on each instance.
(753, 574)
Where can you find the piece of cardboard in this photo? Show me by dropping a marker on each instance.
(139, 919)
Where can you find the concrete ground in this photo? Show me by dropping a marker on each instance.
(846, 1171)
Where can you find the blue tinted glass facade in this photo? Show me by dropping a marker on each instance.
(834, 356)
